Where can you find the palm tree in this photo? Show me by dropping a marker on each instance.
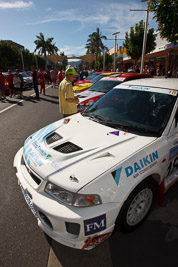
(94, 43)
(45, 46)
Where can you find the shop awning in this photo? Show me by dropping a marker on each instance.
(120, 56)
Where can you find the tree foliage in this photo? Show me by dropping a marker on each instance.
(166, 14)
(108, 62)
(9, 55)
(94, 43)
(45, 47)
(134, 41)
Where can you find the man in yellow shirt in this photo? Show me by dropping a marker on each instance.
(67, 101)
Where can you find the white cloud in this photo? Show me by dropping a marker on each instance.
(113, 17)
(76, 50)
(15, 5)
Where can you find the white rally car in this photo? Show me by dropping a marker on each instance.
(105, 167)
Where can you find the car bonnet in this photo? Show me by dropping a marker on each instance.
(85, 149)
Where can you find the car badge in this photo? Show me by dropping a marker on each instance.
(73, 178)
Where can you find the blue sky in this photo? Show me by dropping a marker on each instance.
(69, 22)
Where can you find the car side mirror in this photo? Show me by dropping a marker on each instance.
(91, 102)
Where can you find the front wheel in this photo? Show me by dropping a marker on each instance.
(137, 206)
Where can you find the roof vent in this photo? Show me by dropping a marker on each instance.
(67, 148)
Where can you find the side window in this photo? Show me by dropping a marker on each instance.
(175, 121)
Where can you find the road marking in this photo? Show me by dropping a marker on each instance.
(18, 102)
(53, 261)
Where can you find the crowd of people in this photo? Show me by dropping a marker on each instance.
(13, 82)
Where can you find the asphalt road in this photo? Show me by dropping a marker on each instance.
(23, 244)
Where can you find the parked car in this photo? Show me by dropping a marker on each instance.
(103, 86)
(28, 80)
(84, 86)
(84, 175)
(89, 78)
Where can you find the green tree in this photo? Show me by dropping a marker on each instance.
(166, 14)
(94, 43)
(64, 63)
(108, 62)
(9, 55)
(134, 41)
(29, 59)
(45, 47)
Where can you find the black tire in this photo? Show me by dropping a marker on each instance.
(138, 205)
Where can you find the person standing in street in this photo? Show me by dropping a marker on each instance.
(20, 92)
(67, 101)
(16, 83)
(9, 80)
(42, 81)
(53, 75)
(60, 76)
(35, 81)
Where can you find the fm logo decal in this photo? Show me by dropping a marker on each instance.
(94, 225)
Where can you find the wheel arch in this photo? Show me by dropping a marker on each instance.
(154, 179)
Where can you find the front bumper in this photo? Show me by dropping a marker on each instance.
(81, 228)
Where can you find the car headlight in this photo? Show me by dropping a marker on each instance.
(72, 199)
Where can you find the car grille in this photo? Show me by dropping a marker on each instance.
(67, 148)
(32, 175)
(53, 138)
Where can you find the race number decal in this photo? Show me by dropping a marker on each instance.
(172, 170)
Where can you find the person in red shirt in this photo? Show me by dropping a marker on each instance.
(42, 81)
(9, 80)
(2, 83)
(60, 76)
(48, 77)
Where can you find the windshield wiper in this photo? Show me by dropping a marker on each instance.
(138, 129)
(95, 117)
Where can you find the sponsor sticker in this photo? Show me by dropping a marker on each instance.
(93, 241)
(138, 167)
(29, 201)
(115, 133)
(94, 225)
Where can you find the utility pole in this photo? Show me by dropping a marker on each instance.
(22, 59)
(103, 60)
(145, 34)
(115, 47)
(115, 34)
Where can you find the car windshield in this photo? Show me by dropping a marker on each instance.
(140, 112)
(104, 86)
(92, 75)
(97, 78)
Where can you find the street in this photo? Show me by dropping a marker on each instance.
(23, 244)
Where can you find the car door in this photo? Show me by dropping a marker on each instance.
(172, 169)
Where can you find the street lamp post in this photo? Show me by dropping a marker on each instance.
(145, 35)
(115, 34)
(115, 39)
(144, 41)
(22, 60)
(103, 60)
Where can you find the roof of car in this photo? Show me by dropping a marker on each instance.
(163, 83)
(126, 76)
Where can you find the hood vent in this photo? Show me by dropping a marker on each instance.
(53, 138)
(67, 148)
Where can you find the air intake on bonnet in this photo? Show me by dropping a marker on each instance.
(53, 138)
(67, 148)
